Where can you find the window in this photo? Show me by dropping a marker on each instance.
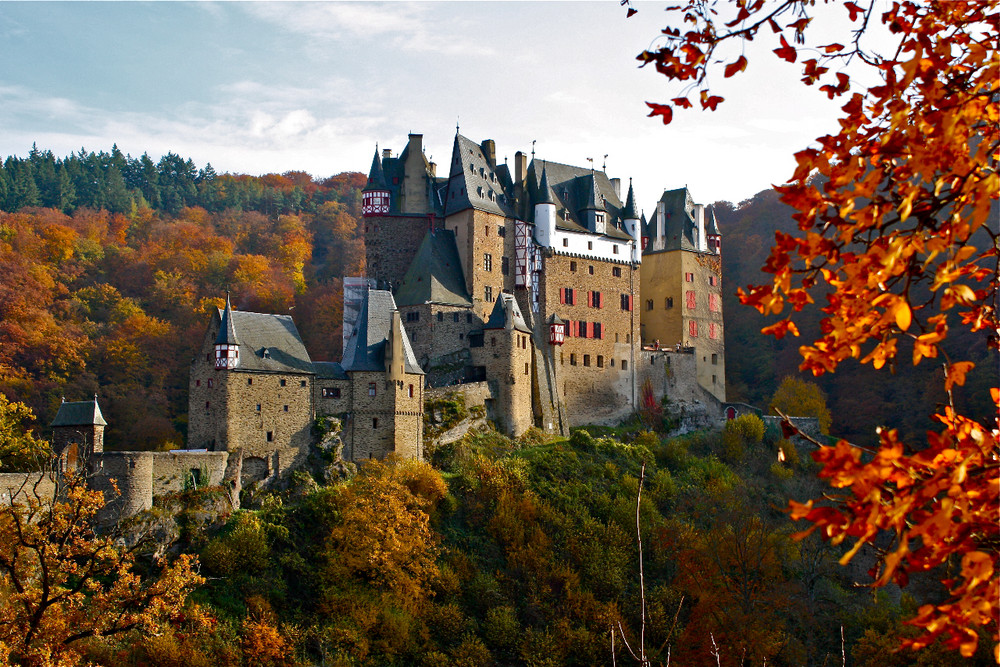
(371, 388)
(374, 422)
(590, 269)
(413, 316)
(693, 329)
(616, 272)
(207, 405)
(249, 381)
(209, 383)
(713, 303)
(713, 379)
(649, 304)
(624, 365)
(258, 407)
(689, 277)
(475, 339)
(572, 359)
(690, 298)
(488, 294)
(487, 230)
(487, 261)
(583, 329)
(331, 392)
(586, 360)
(493, 341)
(440, 317)
(455, 316)
(270, 436)
(626, 301)
(600, 361)
(715, 357)
(283, 382)
(565, 242)
(599, 218)
(614, 249)
(566, 296)
(197, 383)
(713, 280)
(302, 383)
(525, 368)
(668, 303)
(410, 391)
(612, 362)
(713, 331)
(572, 266)
(598, 330)
(286, 408)
(590, 245)
(504, 264)
(501, 231)
(595, 299)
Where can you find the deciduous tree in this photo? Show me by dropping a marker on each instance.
(893, 217)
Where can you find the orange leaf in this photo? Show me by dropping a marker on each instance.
(904, 316)
(956, 374)
(738, 66)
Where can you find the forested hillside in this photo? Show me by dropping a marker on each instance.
(859, 398)
(110, 266)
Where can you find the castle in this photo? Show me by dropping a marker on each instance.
(535, 291)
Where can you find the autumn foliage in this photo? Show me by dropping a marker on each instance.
(894, 232)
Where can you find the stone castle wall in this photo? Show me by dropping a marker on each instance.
(390, 245)
(182, 469)
(18, 486)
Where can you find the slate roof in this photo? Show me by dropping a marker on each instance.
(435, 276)
(475, 183)
(329, 370)
(79, 413)
(269, 343)
(678, 229)
(366, 348)
(227, 333)
(576, 189)
(376, 177)
(498, 318)
(629, 212)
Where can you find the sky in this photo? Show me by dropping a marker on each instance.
(259, 87)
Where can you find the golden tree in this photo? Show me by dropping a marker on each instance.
(894, 217)
(61, 583)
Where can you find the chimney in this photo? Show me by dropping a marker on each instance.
(616, 183)
(416, 144)
(386, 153)
(490, 151)
(520, 167)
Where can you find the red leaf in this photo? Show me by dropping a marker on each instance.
(661, 110)
(682, 102)
(712, 102)
(631, 12)
(738, 66)
(854, 10)
(787, 52)
(833, 48)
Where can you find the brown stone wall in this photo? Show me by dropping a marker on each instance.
(18, 486)
(176, 470)
(390, 245)
(664, 277)
(267, 411)
(506, 355)
(372, 426)
(207, 422)
(477, 234)
(132, 474)
(440, 339)
(594, 377)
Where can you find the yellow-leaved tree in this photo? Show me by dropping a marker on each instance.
(896, 226)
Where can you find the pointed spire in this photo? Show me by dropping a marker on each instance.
(227, 332)
(544, 191)
(629, 212)
(376, 177)
(591, 201)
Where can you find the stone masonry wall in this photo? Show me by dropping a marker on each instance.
(180, 469)
(506, 355)
(132, 473)
(390, 245)
(267, 411)
(594, 377)
(16, 486)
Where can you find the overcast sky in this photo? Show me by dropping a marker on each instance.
(261, 87)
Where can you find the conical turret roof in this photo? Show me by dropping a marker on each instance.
(227, 332)
(592, 201)
(629, 212)
(376, 177)
(544, 191)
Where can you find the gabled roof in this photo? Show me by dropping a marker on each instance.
(576, 189)
(329, 370)
(474, 182)
(435, 276)
(79, 413)
(366, 348)
(269, 343)
(505, 309)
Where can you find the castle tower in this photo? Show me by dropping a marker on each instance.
(630, 219)
(545, 214)
(375, 196)
(78, 432)
(506, 355)
(593, 209)
(713, 234)
(227, 346)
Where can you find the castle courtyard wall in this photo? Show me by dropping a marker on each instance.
(17, 487)
(182, 469)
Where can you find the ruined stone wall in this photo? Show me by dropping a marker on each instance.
(594, 376)
(16, 487)
(390, 245)
(182, 469)
(473, 393)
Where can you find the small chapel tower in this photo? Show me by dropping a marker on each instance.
(227, 346)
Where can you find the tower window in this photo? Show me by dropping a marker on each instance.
(668, 303)
(197, 383)
(440, 317)
(270, 436)
(371, 388)
(590, 269)
(713, 280)
(249, 382)
(209, 383)
(487, 261)
(616, 272)
(488, 293)
(411, 391)
(624, 365)
(572, 266)
(374, 422)
(689, 277)
(302, 383)
(413, 317)
(614, 249)
(286, 408)
(258, 407)
(283, 383)
(586, 360)
(600, 361)
(649, 304)
(454, 317)
(565, 243)
(207, 405)
(715, 359)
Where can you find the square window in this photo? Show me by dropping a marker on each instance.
(283, 382)
(302, 383)
(616, 272)
(286, 408)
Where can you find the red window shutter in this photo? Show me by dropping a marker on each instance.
(693, 328)
(590, 299)
(600, 300)
(690, 299)
(562, 295)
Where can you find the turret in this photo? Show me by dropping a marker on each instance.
(227, 345)
(375, 196)
(545, 214)
(630, 218)
(593, 209)
(713, 234)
